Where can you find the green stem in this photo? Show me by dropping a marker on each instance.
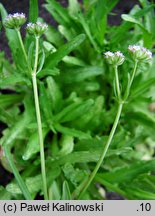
(19, 179)
(117, 82)
(131, 81)
(133, 73)
(21, 43)
(39, 123)
(103, 154)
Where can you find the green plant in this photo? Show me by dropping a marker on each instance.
(79, 95)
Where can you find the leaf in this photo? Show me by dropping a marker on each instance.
(79, 74)
(33, 11)
(31, 54)
(12, 80)
(144, 119)
(71, 131)
(67, 145)
(58, 12)
(131, 19)
(32, 146)
(13, 133)
(66, 194)
(73, 61)
(34, 183)
(48, 72)
(142, 88)
(8, 100)
(75, 175)
(74, 8)
(4, 194)
(54, 192)
(41, 63)
(73, 111)
(53, 36)
(54, 58)
(55, 94)
(128, 173)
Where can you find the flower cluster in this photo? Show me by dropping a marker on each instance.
(140, 53)
(15, 20)
(37, 28)
(116, 58)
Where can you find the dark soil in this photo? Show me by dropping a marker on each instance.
(12, 6)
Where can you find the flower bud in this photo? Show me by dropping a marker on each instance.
(140, 53)
(15, 20)
(37, 28)
(116, 58)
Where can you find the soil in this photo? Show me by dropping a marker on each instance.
(12, 6)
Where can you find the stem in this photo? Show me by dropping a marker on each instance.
(21, 43)
(117, 81)
(131, 81)
(133, 73)
(19, 179)
(103, 154)
(39, 123)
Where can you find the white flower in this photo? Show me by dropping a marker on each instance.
(15, 20)
(140, 53)
(116, 58)
(37, 28)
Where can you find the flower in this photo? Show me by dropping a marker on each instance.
(15, 20)
(140, 53)
(37, 28)
(116, 58)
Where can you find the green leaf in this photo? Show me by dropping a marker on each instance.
(54, 58)
(4, 194)
(74, 111)
(58, 12)
(142, 88)
(71, 131)
(55, 95)
(34, 183)
(12, 80)
(66, 194)
(32, 146)
(48, 72)
(131, 19)
(54, 191)
(75, 175)
(33, 10)
(79, 74)
(9, 100)
(67, 145)
(128, 173)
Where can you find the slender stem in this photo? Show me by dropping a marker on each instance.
(21, 43)
(131, 81)
(117, 81)
(133, 73)
(38, 115)
(19, 179)
(112, 132)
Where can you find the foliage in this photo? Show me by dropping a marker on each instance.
(77, 103)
